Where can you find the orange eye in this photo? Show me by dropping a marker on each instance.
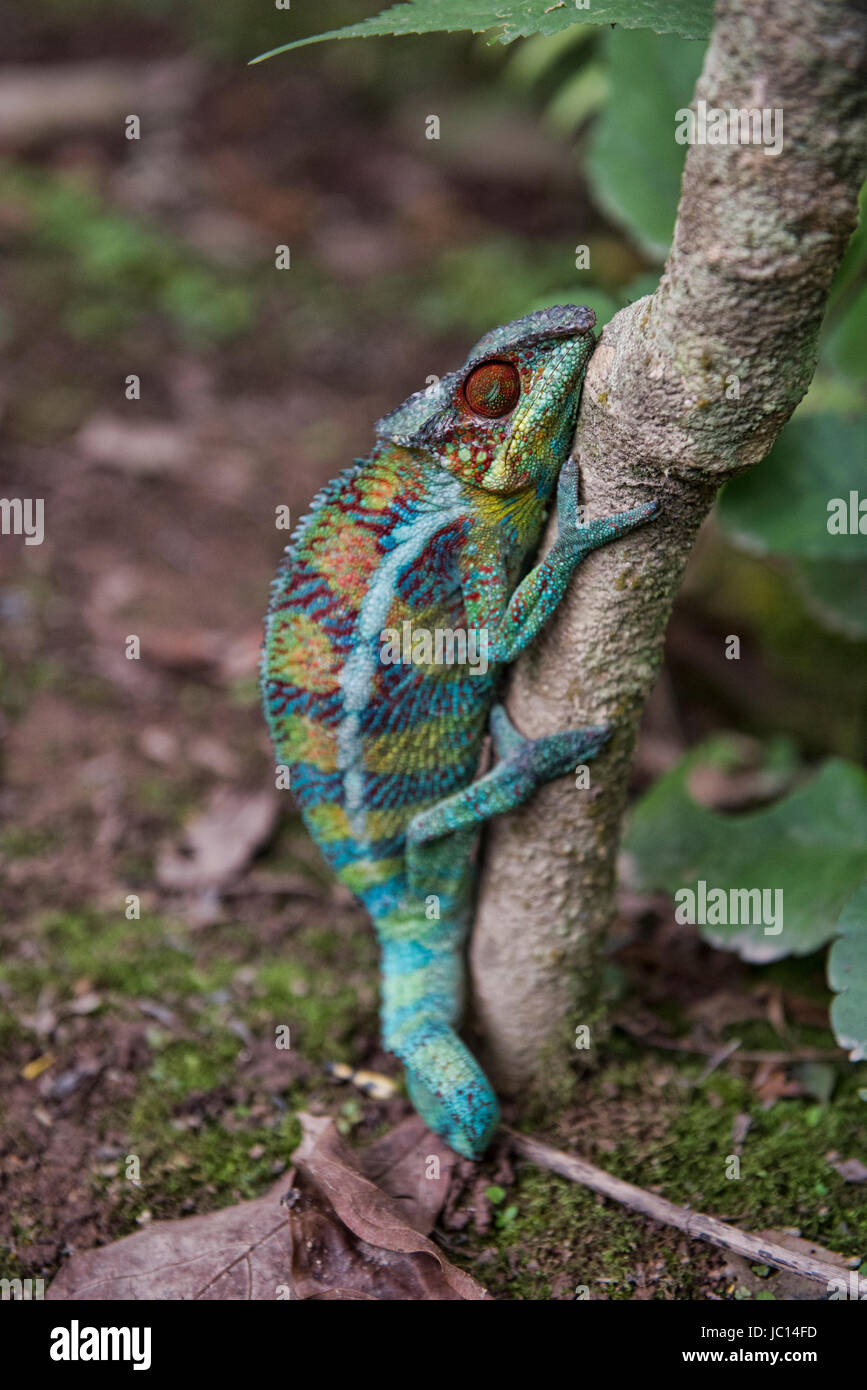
(492, 389)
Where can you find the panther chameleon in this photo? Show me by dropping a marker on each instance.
(434, 532)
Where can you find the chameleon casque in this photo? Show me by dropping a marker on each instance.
(437, 530)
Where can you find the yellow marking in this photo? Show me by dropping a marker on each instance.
(328, 822)
(301, 653)
(437, 738)
(367, 873)
(347, 556)
(306, 741)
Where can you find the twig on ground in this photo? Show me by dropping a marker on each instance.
(695, 1224)
(796, 1054)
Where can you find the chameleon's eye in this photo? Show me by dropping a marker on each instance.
(492, 389)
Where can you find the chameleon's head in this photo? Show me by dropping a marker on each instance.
(504, 422)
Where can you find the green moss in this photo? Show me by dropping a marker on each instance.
(183, 1067)
(193, 1170)
(146, 957)
(110, 272)
(318, 1002)
(677, 1140)
(20, 843)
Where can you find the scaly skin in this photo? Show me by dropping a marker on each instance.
(436, 528)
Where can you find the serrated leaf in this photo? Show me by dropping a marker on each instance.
(515, 19)
(781, 507)
(847, 976)
(635, 163)
(811, 845)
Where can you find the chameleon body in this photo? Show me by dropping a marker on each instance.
(433, 533)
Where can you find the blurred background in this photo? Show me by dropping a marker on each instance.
(161, 907)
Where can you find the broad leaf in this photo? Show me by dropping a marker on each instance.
(847, 974)
(844, 342)
(835, 593)
(350, 1226)
(784, 506)
(515, 19)
(635, 164)
(810, 845)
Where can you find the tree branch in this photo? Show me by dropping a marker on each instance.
(757, 242)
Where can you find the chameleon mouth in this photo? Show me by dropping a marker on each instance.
(560, 383)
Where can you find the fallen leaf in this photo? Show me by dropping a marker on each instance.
(241, 1253)
(370, 1250)
(332, 1235)
(142, 447)
(219, 842)
(402, 1165)
(852, 1169)
(771, 1084)
(38, 1066)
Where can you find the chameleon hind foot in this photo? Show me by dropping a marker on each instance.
(543, 759)
(526, 764)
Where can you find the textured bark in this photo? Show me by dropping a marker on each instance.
(757, 242)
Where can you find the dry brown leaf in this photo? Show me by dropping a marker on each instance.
(241, 1253)
(400, 1165)
(852, 1169)
(134, 447)
(334, 1235)
(219, 841)
(369, 1249)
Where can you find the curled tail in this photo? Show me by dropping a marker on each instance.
(422, 990)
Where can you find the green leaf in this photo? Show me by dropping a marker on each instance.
(782, 506)
(835, 593)
(817, 1078)
(516, 19)
(847, 976)
(811, 845)
(845, 343)
(635, 163)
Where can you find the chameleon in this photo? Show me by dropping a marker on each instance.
(381, 727)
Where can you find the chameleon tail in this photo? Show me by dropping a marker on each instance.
(422, 988)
